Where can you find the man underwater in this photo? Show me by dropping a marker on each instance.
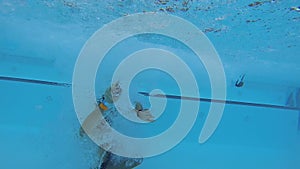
(94, 120)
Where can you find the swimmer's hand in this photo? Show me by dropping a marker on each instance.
(145, 115)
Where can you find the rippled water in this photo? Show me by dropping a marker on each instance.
(42, 40)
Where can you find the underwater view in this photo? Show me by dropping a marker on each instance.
(166, 84)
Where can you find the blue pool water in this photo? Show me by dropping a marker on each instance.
(41, 40)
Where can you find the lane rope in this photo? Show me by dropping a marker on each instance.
(220, 101)
(43, 82)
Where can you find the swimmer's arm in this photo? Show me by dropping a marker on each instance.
(91, 121)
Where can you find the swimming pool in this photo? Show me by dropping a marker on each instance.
(41, 42)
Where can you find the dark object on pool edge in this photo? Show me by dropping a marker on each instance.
(240, 81)
(297, 9)
(34, 81)
(221, 101)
